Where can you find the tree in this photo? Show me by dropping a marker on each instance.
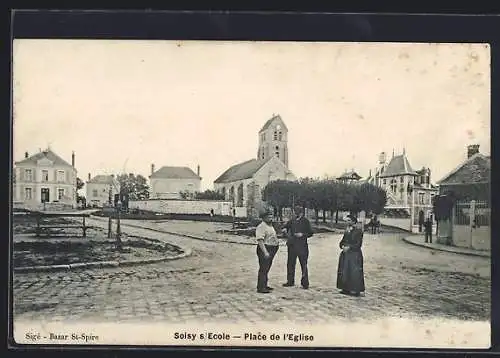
(209, 195)
(134, 185)
(79, 184)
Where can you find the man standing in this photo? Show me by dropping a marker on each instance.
(298, 230)
(428, 229)
(267, 246)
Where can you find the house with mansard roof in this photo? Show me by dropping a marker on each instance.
(169, 182)
(242, 183)
(44, 179)
(409, 192)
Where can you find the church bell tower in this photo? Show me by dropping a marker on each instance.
(273, 139)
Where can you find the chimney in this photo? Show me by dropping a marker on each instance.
(112, 176)
(382, 158)
(73, 159)
(472, 149)
(198, 170)
(152, 169)
(26, 155)
(89, 177)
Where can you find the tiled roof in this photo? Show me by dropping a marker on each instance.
(476, 169)
(241, 171)
(103, 179)
(175, 173)
(49, 154)
(270, 121)
(350, 175)
(398, 165)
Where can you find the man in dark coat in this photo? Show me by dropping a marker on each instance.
(298, 230)
(428, 229)
(350, 274)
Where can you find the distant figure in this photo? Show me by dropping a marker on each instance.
(374, 224)
(267, 246)
(212, 213)
(428, 230)
(298, 230)
(350, 273)
(421, 220)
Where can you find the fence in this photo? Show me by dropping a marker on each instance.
(471, 225)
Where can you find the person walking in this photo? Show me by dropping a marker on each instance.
(350, 273)
(267, 246)
(298, 230)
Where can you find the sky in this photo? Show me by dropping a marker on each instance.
(122, 105)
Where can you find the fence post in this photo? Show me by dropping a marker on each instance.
(472, 215)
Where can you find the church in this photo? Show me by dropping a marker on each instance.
(243, 183)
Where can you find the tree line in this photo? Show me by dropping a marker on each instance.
(324, 196)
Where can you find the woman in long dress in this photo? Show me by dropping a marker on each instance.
(350, 274)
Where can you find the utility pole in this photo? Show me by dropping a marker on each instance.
(110, 219)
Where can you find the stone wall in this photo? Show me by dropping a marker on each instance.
(167, 206)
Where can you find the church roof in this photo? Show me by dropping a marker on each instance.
(270, 121)
(475, 170)
(399, 165)
(49, 154)
(241, 171)
(174, 173)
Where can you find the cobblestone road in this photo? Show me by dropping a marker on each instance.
(218, 282)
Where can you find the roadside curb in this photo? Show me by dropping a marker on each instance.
(450, 249)
(101, 264)
(201, 238)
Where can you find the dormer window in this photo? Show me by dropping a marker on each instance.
(45, 175)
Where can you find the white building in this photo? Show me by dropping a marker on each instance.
(43, 180)
(101, 189)
(168, 182)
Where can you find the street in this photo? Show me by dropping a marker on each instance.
(218, 282)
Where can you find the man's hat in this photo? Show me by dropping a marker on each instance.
(353, 218)
(265, 211)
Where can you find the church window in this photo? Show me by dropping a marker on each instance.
(401, 179)
(277, 151)
(280, 136)
(275, 135)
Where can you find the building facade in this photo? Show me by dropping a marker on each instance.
(409, 192)
(44, 179)
(101, 190)
(169, 182)
(242, 184)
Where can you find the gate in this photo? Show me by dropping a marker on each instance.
(471, 225)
